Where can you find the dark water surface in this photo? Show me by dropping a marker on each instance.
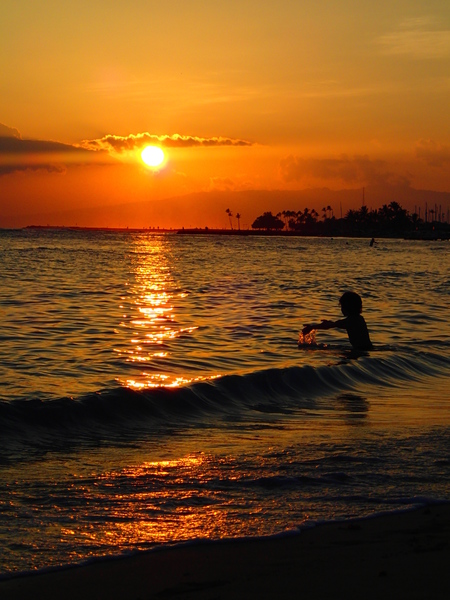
(152, 390)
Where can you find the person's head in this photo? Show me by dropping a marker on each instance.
(351, 303)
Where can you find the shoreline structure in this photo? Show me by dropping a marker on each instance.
(442, 234)
(401, 555)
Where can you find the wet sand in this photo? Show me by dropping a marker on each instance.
(397, 556)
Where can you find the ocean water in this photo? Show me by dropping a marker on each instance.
(152, 390)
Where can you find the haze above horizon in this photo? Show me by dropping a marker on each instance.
(240, 96)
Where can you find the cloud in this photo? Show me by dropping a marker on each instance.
(224, 184)
(360, 170)
(17, 154)
(417, 38)
(6, 131)
(120, 144)
(18, 146)
(433, 153)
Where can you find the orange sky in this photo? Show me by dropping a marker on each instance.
(241, 95)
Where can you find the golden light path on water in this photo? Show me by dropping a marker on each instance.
(153, 320)
(140, 514)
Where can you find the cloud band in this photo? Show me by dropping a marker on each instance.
(119, 144)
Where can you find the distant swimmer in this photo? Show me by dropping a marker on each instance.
(372, 242)
(354, 323)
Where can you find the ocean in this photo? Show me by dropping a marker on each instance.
(152, 390)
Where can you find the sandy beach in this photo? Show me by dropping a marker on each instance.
(391, 556)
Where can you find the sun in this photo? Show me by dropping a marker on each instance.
(153, 156)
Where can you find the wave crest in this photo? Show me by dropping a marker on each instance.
(120, 414)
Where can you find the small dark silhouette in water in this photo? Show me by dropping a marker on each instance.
(354, 323)
(372, 242)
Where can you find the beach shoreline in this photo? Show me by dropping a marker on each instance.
(396, 555)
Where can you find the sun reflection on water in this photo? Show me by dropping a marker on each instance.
(150, 317)
(142, 512)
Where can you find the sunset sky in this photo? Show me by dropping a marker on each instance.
(240, 95)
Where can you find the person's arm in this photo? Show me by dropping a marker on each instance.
(341, 324)
(324, 324)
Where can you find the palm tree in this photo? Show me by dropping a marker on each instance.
(305, 215)
(230, 214)
(290, 216)
(238, 217)
(352, 216)
(363, 214)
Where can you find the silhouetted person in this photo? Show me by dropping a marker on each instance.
(372, 242)
(354, 323)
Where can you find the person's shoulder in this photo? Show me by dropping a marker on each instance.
(352, 321)
(356, 318)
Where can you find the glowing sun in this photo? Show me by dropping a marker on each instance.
(152, 156)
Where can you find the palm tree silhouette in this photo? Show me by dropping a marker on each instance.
(238, 217)
(290, 216)
(230, 214)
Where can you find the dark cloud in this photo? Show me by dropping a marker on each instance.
(18, 146)
(357, 170)
(433, 153)
(6, 131)
(139, 140)
(17, 154)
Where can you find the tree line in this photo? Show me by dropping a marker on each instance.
(390, 219)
